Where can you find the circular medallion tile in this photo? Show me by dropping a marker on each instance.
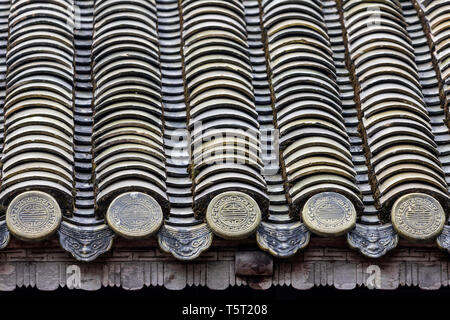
(329, 214)
(33, 215)
(134, 215)
(418, 217)
(233, 215)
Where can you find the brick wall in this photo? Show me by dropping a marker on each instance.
(132, 266)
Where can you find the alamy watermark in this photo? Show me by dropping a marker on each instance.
(374, 18)
(204, 146)
(73, 13)
(373, 276)
(73, 277)
(373, 280)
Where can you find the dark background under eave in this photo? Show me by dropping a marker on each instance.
(282, 301)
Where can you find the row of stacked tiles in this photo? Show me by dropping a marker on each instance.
(184, 94)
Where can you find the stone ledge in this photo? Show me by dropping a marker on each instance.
(219, 275)
(133, 265)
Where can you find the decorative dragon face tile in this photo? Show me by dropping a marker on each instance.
(85, 244)
(282, 240)
(185, 243)
(4, 235)
(373, 241)
(443, 240)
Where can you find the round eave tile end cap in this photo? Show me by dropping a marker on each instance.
(418, 217)
(33, 215)
(233, 215)
(329, 214)
(134, 215)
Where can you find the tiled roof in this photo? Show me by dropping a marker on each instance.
(273, 119)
